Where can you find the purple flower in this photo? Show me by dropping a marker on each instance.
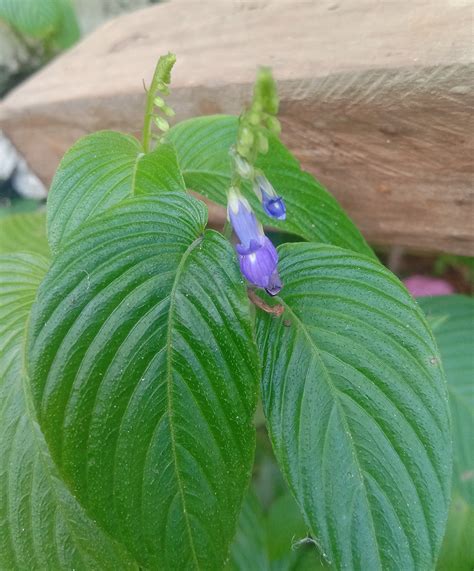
(273, 204)
(258, 257)
(421, 286)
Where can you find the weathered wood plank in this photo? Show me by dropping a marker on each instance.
(377, 98)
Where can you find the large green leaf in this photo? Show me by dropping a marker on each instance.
(37, 18)
(357, 408)
(41, 524)
(453, 325)
(455, 336)
(203, 144)
(24, 233)
(67, 32)
(144, 374)
(99, 171)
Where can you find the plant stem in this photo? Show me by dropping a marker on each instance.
(227, 230)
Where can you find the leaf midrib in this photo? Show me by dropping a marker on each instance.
(337, 404)
(169, 383)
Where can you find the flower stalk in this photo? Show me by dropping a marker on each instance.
(160, 83)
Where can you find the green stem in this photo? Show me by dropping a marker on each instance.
(227, 230)
(150, 96)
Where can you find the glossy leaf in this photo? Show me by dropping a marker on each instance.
(454, 334)
(144, 374)
(31, 17)
(24, 233)
(452, 319)
(99, 171)
(41, 524)
(67, 32)
(203, 144)
(357, 408)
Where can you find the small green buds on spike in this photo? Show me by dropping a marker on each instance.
(169, 111)
(242, 167)
(155, 103)
(256, 123)
(162, 88)
(164, 67)
(159, 102)
(161, 123)
(246, 137)
(262, 143)
(256, 126)
(265, 91)
(273, 125)
(254, 118)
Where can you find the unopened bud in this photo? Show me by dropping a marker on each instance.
(254, 118)
(242, 166)
(246, 137)
(274, 125)
(262, 143)
(163, 88)
(167, 110)
(159, 102)
(162, 124)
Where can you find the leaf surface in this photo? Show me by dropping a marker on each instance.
(455, 337)
(357, 408)
(99, 171)
(144, 374)
(41, 524)
(453, 319)
(30, 17)
(24, 232)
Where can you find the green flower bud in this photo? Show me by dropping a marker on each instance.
(243, 150)
(162, 88)
(254, 118)
(242, 166)
(167, 110)
(159, 102)
(262, 143)
(246, 137)
(161, 123)
(273, 125)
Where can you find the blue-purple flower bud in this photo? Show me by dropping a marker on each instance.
(273, 204)
(258, 257)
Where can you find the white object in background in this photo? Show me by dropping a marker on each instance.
(8, 158)
(26, 183)
(14, 166)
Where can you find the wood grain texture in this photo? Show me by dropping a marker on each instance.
(377, 98)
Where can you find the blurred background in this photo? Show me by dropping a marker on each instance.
(32, 33)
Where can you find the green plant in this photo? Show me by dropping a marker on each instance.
(133, 355)
(52, 22)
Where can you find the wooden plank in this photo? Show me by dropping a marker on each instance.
(377, 98)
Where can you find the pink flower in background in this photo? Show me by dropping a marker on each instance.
(423, 286)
